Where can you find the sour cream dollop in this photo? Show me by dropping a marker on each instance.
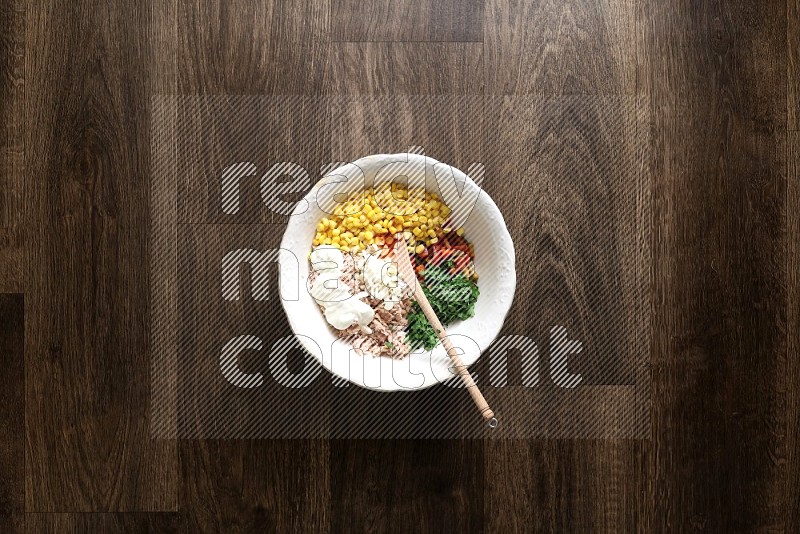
(342, 309)
(381, 280)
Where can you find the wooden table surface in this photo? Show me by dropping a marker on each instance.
(720, 87)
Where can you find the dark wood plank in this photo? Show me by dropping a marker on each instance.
(582, 238)
(275, 47)
(578, 211)
(264, 48)
(719, 128)
(793, 63)
(405, 68)
(792, 383)
(567, 486)
(363, 125)
(213, 133)
(12, 92)
(407, 20)
(209, 405)
(386, 486)
(12, 411)
(549, 49)
(12, 523)
(87, 359)
(248, 486)
(131, 522)
(560, 47)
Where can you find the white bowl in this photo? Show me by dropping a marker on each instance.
(494, 261)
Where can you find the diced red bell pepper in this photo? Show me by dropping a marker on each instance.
(461, 265)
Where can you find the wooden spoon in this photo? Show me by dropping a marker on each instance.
(406, 271)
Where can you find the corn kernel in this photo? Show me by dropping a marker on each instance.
(431, 232)
(433, 241)
(369, 235)
(419, 249)
(460, 232)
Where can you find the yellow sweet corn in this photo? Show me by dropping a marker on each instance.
(377, 215)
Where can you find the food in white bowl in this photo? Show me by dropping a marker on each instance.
(357, 318)
(357, 286)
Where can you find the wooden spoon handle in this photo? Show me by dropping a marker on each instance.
(452, 351)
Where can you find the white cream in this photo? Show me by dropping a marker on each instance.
(342, 309)
(381, 279)
(325, 254)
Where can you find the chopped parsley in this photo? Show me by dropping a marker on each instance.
(452, 297)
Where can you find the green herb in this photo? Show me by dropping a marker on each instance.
(389, 345)
(452, 297)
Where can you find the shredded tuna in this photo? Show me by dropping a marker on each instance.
(386, 336)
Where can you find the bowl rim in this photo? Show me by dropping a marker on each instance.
(505, 237)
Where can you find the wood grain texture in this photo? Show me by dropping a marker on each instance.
(567, 486)
(113, 523)
(13, 523)
(386, 486)
(407, 20)
(557, 150)
(248, 486)
(273, 47)
(793, 64)
(405, 68)
(209, 406)
(581, 244)
(12, 411)
(719, 262)
(792, 376)
(87, 360)
(214, 133)
(560, 47)
(267, 48)
(720, 83)
(12, 145)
